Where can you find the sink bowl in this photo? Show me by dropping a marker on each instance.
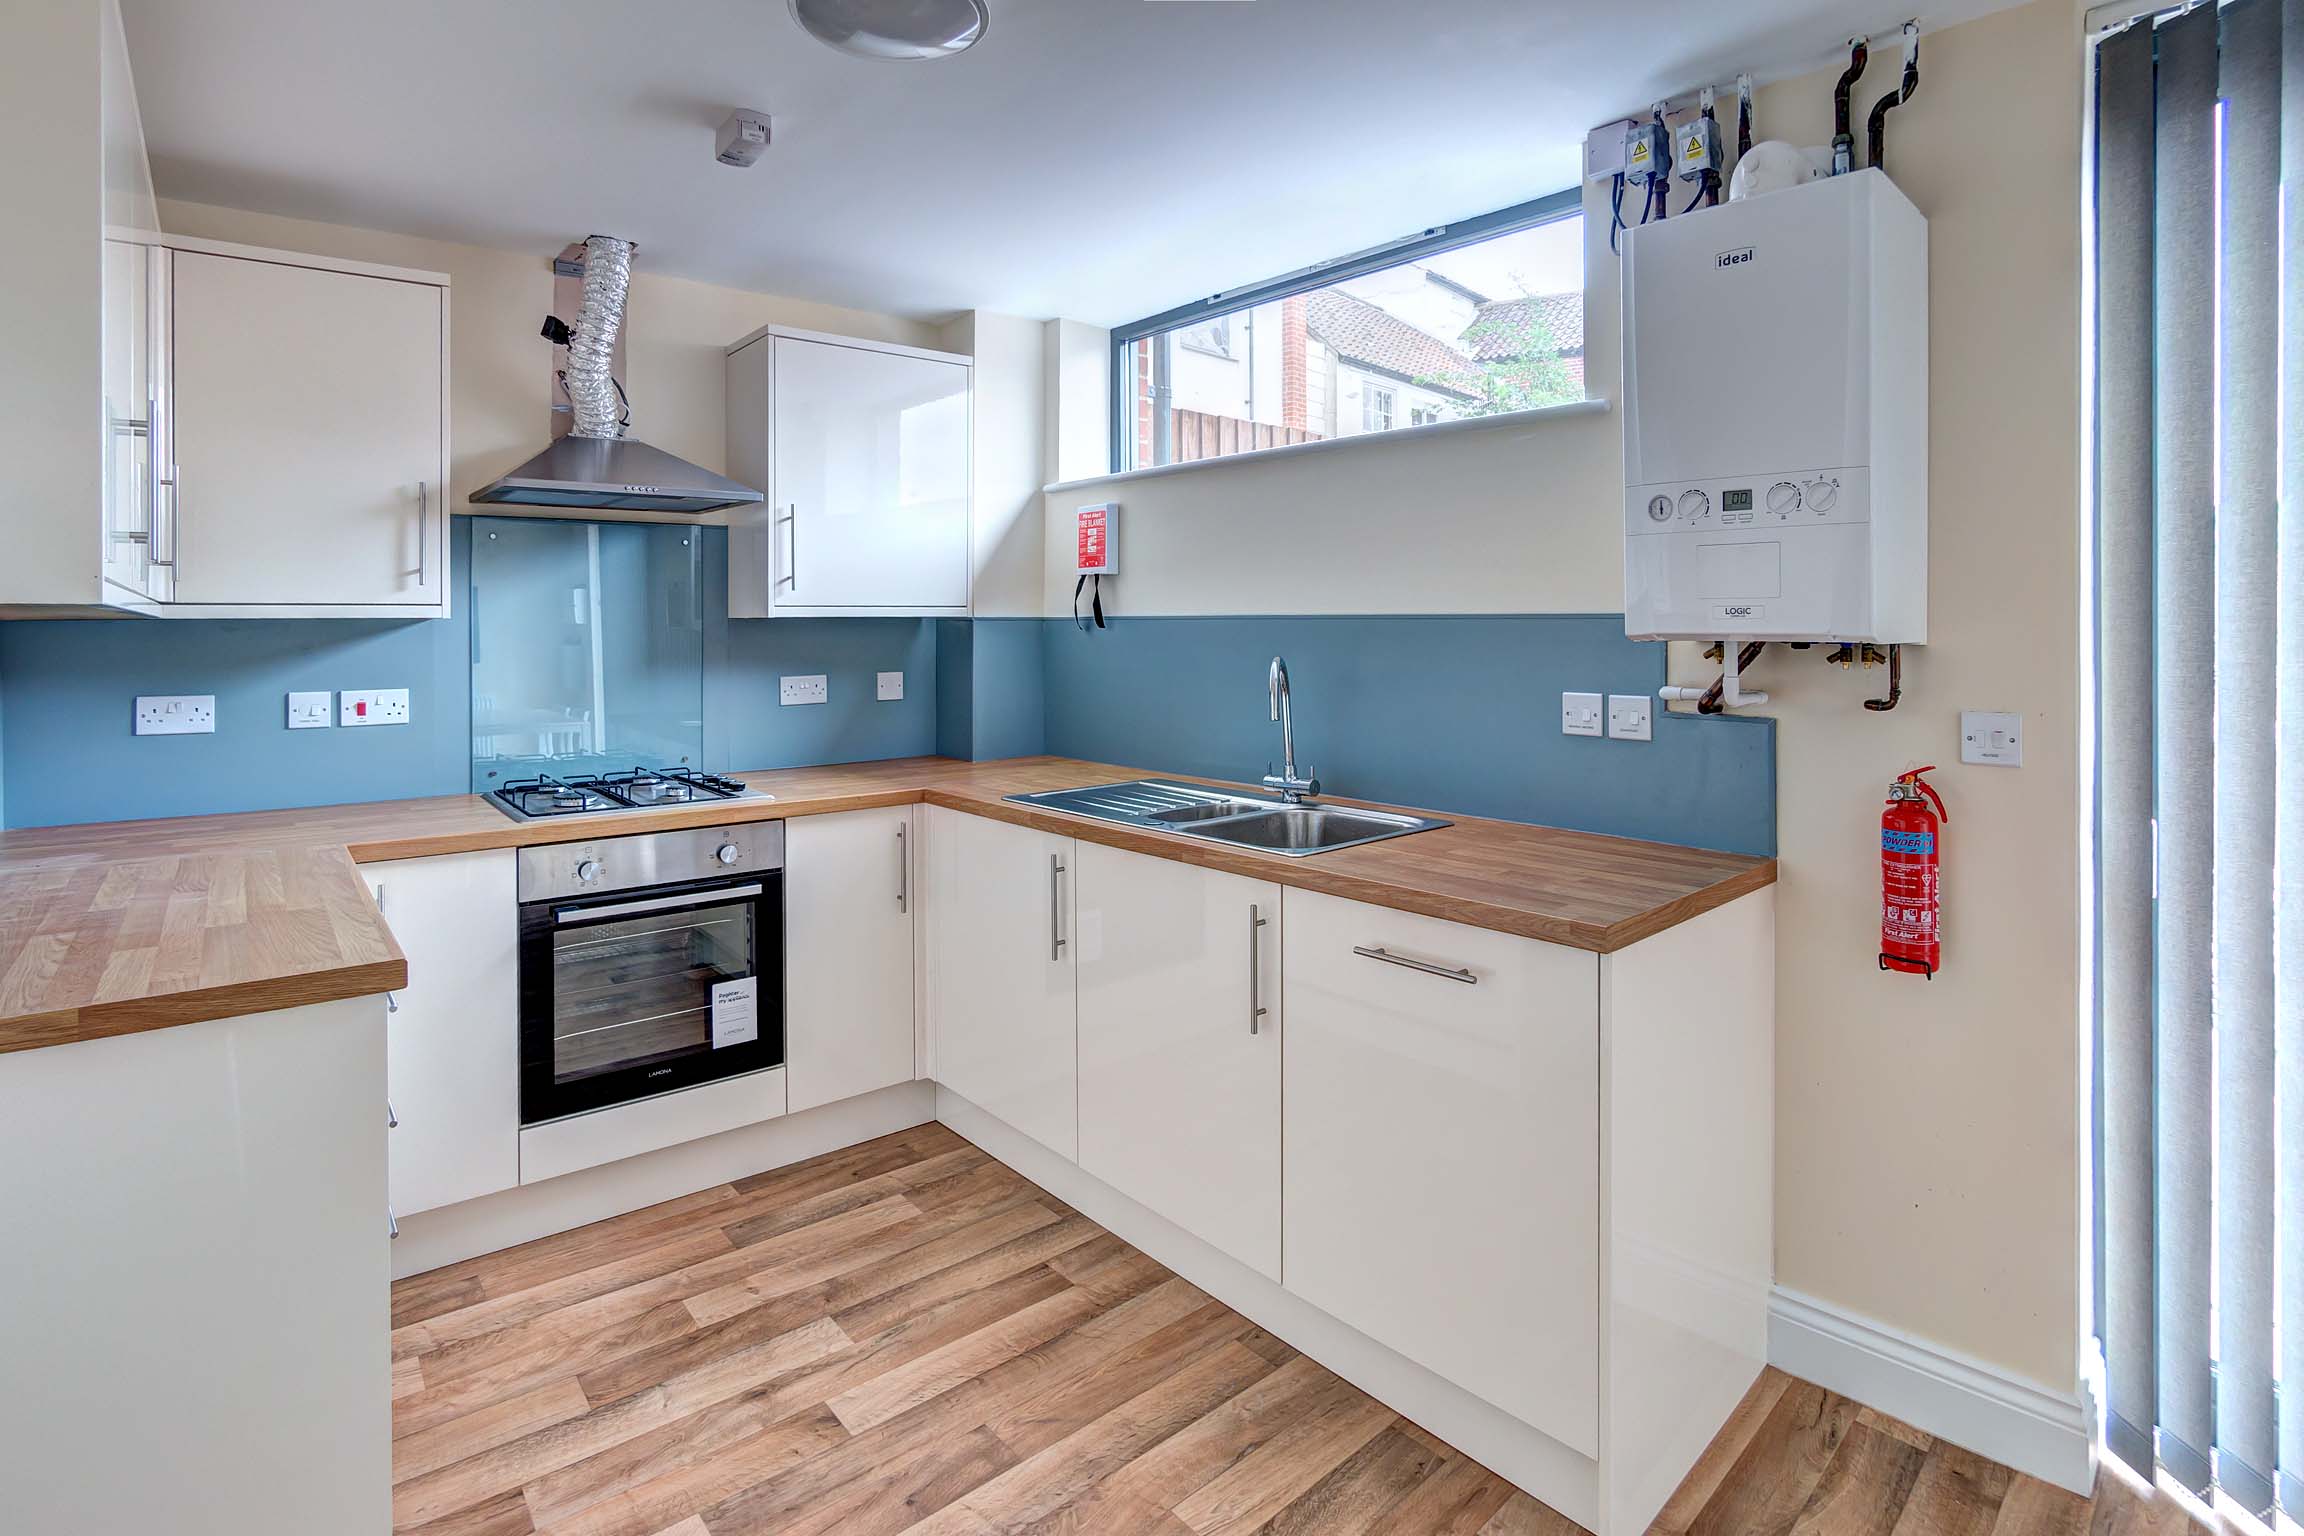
(1303, 829)
(1199, 810)
(1214, 810)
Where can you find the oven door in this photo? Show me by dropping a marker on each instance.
(642, 992)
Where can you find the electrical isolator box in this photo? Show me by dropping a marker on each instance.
(1776, 418)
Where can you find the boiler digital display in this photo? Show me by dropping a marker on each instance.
(1736, 501)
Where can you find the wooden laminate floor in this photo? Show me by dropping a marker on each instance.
(908, 1336)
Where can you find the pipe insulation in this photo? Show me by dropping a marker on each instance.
(592, 346)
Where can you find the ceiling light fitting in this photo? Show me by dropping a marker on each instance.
(894, 29)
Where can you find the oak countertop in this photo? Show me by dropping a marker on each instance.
(114, 927)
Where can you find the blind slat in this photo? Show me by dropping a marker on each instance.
(2288, 1001)
(2247, 643)
(2124, 198)
(2184, 677)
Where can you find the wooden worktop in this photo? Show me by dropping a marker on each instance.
(114, 927)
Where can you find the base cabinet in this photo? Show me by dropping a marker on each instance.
(1180, 1045)
(453, 1031)
(848, 900)
(1442, 1151)
(1002, 973)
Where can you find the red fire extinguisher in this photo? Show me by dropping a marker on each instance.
(1911, 908)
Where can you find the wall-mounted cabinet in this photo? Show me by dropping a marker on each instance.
(191, 429)
(862, 450)
(307, 436)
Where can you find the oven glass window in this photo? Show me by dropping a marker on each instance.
(635, 991)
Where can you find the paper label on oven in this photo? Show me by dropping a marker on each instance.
(736, 1012)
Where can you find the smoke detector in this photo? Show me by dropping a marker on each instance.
(743, 139)
(894, 29)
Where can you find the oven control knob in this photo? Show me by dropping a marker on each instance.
(727, 853)
(588, 871)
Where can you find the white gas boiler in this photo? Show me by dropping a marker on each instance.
(1776, 418)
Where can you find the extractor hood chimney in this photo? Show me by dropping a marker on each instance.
(595, 467)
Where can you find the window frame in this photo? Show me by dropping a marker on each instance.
(1549, 209)
(1369, 415)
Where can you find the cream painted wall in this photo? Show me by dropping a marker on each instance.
(1929, 1133)
(500, 385)
(1009, 454)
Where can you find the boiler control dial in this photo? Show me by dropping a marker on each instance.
(727, 853)
(1783, 498)
(1659, 509)
(1695, 505)
(588, 871)
(1823, 495)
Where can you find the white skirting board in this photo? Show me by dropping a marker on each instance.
(1554, 1473)
(522, 1215)
(2050, 1435)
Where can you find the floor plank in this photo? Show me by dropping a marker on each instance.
(907, 1336)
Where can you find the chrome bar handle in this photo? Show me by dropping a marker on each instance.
(1426, 966)
(391, 999)
(1055, 916)
(791, 520)
(175, 510)
(391, 1116)
(903, 875)
(391, 1222)
(423, 534)
(1256, 1008)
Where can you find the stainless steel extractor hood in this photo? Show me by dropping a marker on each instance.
(595, 467)
(618, 474)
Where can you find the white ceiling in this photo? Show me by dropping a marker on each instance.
(1098, 159)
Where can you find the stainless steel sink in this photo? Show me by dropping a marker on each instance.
(1293, 831)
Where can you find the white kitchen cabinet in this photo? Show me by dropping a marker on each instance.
(454, 1030)
(1442, 1151)
(307, 435)
(76, 311)
(1001, 957)
(848, 914)
(862, 451)
(1180, 1045)
(197, 1266)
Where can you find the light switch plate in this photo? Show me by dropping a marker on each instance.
(372, 706)
(176, 714)
(1580, 714)
(1991, 740)
(891, 686)
(1630, 716)
(803, 690)
(310, 711)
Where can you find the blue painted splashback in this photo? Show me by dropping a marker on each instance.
(1456, 713)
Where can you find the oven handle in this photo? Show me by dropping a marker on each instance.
(566, 915)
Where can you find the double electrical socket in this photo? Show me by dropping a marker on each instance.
(176, 714)
(816, 688)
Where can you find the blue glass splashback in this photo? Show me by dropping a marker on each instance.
(587, 647)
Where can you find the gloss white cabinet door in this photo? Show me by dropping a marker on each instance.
(862, 450)
(454, 1031)
(1002, 978)
(848, 903)
(1180, 1044)
(308, 436)
(1442, 1151)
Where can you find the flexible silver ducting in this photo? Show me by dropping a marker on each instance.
(592, 347)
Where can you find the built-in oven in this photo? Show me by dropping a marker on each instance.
(648, 964)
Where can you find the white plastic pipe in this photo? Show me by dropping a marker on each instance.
(1731, 695)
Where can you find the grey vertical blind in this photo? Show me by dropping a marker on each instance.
(2200, 769)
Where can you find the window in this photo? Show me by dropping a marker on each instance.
(1475, 319)
(1375, 408)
